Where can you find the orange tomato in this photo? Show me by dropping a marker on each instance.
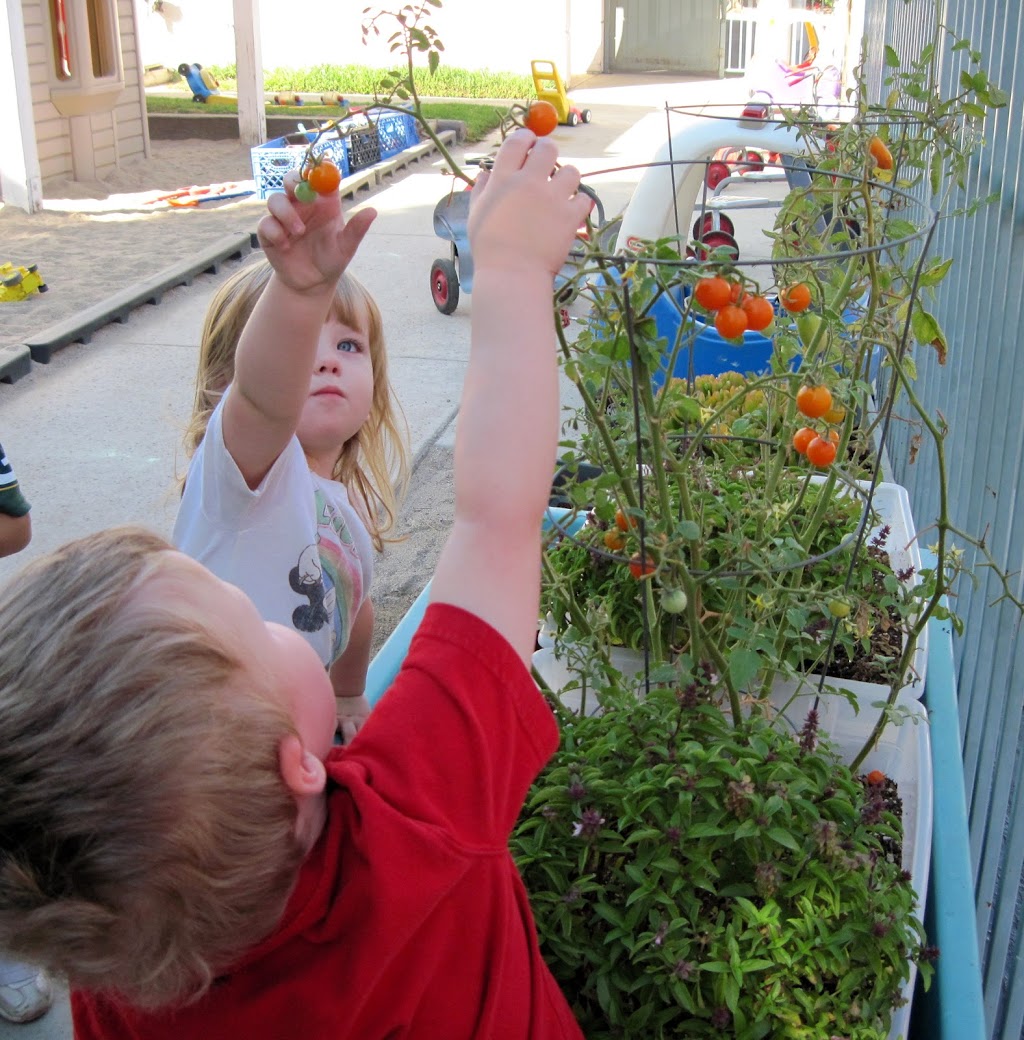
(880, 153)
(821, 453)
(623, 522)
(836, 414)
(813, 401)
(802, 438)
(731, 322)
(795, 298)
(712, 293)
(324, 178)
(760, 313)
(641, 566)
(876, 778)
(614, 541)
(736, 292)
(541, 117)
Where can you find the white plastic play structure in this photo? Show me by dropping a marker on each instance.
(667, 193)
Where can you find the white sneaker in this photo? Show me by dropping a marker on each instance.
(25, 993)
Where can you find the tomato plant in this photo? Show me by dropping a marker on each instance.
(731, 322)
(760, 313)
(541, 117)
(803, 437)
(712, 293)
(324, 177)
(879, 151)
(821, 453)
(795, 298)
(813, 401)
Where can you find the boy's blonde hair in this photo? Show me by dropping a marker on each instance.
(373, 464)
(147, 839)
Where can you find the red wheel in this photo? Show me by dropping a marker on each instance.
(753, 161)
(717, 172)
(713, 222)
(444, 286)
(715, 240)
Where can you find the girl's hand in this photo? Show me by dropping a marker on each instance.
(524, 213)
(309, 244)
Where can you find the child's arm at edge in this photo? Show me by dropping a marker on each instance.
(309, 246)
(522, 223)
(348, 674)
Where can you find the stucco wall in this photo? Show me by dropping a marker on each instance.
(477, 34)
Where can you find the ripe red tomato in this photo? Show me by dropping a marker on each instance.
(876, 778)
(802, 438)
(813, 401)
(736, 292)
(712, 293)
(731, 322)
(541, 117)
(623, 522)
(821, 453)
(795, 298)
(324, 178)
(641, 566)
(760, 313)
(880, 153)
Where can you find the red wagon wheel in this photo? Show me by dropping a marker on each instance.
(717, 172)
(712, 222)
(714, 240)
(444, 286)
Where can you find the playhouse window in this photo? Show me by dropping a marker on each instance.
(101, 38)
(68, 19)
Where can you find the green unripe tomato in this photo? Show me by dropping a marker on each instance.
(304, 192)
(807, 326)
(839, 608)
(673, 601)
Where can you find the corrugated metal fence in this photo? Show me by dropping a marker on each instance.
(980, 393)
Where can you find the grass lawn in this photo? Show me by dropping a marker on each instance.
(480, 119)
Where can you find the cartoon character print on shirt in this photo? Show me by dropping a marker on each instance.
(330, 575)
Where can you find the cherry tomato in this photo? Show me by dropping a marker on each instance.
(712, 293)
(760, 313)
(623, 522)
(839, 608)
(614, 541)
(795, 298)
(736, 292)
(673, 601)
(880, 153)
(802, 438)
(835, 415)
(641, 566)
(324, 178)
(821, 453)
(813, 401)
(731, 322)
(541, 117)
(304, 193)
(876, 778)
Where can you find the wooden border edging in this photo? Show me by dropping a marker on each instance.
(116, 308)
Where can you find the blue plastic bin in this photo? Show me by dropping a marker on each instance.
(273, 160)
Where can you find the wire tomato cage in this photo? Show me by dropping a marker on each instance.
(859, 242)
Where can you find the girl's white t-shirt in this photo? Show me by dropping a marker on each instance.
(294, 545)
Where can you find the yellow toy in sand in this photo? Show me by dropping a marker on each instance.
(18, 282)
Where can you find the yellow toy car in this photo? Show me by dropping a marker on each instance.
(549, 86)
(18, 282)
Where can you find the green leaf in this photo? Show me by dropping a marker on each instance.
(782, 837)
(936, 271)
(743, 666)
(892, 59)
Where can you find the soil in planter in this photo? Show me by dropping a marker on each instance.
(884, 797)
(886, 639)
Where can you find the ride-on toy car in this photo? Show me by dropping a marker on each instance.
(549, 86)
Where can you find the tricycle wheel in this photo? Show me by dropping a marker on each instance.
(713, 222)
(444, 286)
(586, 115)
(574, 118)
(717, 172)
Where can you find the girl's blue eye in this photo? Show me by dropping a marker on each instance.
(349, 346)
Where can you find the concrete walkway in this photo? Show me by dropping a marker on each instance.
(95, 435)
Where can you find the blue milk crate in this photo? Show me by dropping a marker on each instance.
(396, 131)
(271, 161)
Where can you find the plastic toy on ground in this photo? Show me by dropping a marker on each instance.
(549, 86)
(18, 282)
(201, 82)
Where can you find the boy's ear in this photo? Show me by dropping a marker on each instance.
(302, 772)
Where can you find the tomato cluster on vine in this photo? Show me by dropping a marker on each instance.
(814, 400)
(735, 310)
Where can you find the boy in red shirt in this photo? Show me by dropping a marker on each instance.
(177, 834)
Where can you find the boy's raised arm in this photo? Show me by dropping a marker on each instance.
(523, 219)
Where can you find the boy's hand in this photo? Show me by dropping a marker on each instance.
(310, 244)
(352, 713)
(524, 212)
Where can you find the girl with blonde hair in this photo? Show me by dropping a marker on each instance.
(297, 459)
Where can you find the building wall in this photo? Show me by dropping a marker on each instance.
(116, 135)
(477, 34)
